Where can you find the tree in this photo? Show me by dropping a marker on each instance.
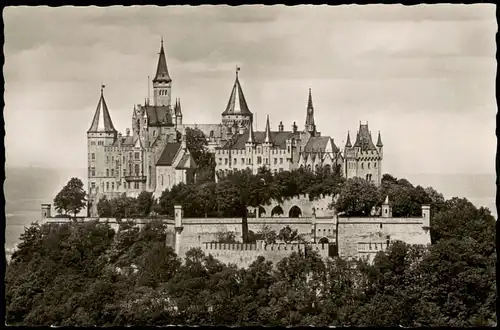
(241, 189)
(72, 198)
(104, 208)
(144, 204)
(357, 197)
(288, 235)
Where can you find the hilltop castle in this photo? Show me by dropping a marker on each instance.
(154, 156)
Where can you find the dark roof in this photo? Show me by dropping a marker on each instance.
(102, 120)
(237, 103)
(278, 139)
(158, 115)
(379, 141)
(168, 154)
(187, 161)
(364, 139)
(162, 70)
(348, 143)
(317, 143)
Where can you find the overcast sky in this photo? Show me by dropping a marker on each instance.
(422, 75)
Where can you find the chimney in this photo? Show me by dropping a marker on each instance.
(280, 126)
(127, 132)
(294, 127)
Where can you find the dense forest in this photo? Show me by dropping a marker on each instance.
(86, 274)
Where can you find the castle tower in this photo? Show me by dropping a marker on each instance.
(162, 83)
(101, 134)
(237, 109)
(364, 159)
(310, 127)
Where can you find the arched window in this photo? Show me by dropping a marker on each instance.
(107, 172)
(112, 172)
(375, 165)
(368, 165)
(107, 185)
(136, 169)
(112, 186)
(362, 165)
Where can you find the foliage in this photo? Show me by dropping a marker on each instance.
(357, 198)
(144, 203)
(225, 237)
(72, 197)
(288, 235)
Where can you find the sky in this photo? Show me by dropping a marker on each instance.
(424, 76)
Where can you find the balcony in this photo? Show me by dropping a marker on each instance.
(135, 178)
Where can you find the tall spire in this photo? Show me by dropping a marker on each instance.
(268, 131)
(310, 126)
(348, 143)
(251, 137)
(162, 74)
(237, 104)
(102, 120)
(178, 111)
(379, 140)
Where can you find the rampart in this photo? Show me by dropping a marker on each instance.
(244, 254)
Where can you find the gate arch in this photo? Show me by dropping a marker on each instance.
(295, 212)
(277, 210)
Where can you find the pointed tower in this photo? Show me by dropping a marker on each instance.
(162, 83)
(250, 148)
(348, 143)
(101, 134)
(386, 208)
(267, 138)
(178, 113)
(237, 108)
(310, 127)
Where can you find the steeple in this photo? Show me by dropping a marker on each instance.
(102, 120)
(237, 104)
(379, 140)
(348, 143)
(310, 126)
(162, 74)
(267, 139)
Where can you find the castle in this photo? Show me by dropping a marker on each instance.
(154, 156)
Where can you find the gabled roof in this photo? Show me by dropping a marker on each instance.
(364, 139)
(317, 143)
(168, 154)
(158, 115)
(162, 70)
(186, 162)
(102, 119)
(237, 104)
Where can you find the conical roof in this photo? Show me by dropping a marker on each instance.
(267, 139)
(162, 69)
(348, 143)
(102, 120)
(379, 140)
(237, 104)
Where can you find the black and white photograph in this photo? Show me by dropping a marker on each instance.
(251, 165)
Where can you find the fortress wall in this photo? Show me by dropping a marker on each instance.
(244, 254)
(357, 234)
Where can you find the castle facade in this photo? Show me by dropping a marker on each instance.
(153, 156)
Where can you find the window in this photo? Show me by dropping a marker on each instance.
(281, 160)
(112, 186)
(259, 159)
(162, 179)
(368, 165)
(124, 159)
(93, 185)
(136, 168)
(275, 161)
(93, 156)
(92, 170)
(130, 155)
(288, 148)
(267, 160)
(243, 161)
(375, 165)
(234, 161)
(107, 185)
(107, 159)
(136, 185)
(225, 161)
(124, 172)
(112, 159)
(136, 155)
(220, 161)
(112, 172)
(107, 172)
(362, 165)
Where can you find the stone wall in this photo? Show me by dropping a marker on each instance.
(364, 237)
(244, 254)
(306, 206)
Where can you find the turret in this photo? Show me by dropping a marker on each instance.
(267, 138)
(380, 146)
(250, 145)
(348, 143)
(237, 109)
(386, 208)
(178, 112)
